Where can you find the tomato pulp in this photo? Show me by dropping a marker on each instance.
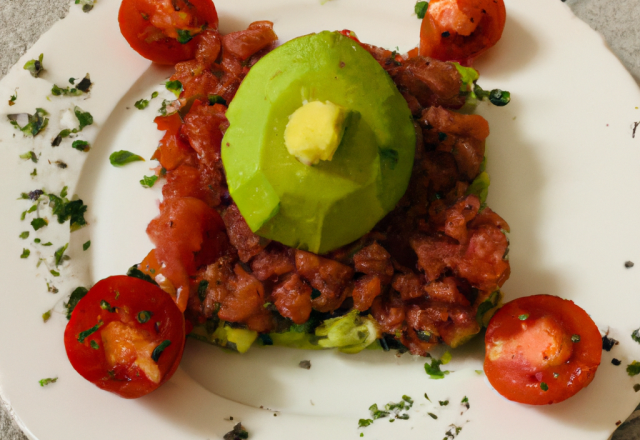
(460, 30)
(166, 31)
(125, 336)
(541, 349)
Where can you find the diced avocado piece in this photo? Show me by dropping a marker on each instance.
(315, 131)
(327, 205)
(237, 339)
(350, 333)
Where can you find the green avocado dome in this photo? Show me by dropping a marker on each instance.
(326, 205)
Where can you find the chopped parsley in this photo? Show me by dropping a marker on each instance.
(123, 157)
(76, 295)
(143, 317)
(85, 334)
(433, 369)
(35, 122)
(377, 413)
(35, 67)
(443, 402)
(12, 99)
(24, 235)
(94, 345)
(84, 118)
(55, 273)
(82, 87)
(86, 245)
(38, 223)
(216, 99)
(363, 423)
(159, 349)
(433, 416)
(523, 317)
(202, 290)
(237, 433)
(137, 273)
(141, 104)
(633, 369)
(81, 145)
(60, 256)
(68, 210)
(87, 5)
(104, 305)
(47, 381)
(30, 155)
(175, 87)
(544, 386)
(421, 9)
(34, 173)
(465, 402)
(148, 181)
(497, 97)
(46, 316)
(25, 253)
(184, 36)
(636, 335)
(575, 338)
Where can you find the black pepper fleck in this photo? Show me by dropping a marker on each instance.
(628, 264)
(305, 364)
(608, 343)
(445, 34)
(616, 362)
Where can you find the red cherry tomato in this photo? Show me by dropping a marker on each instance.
(166, 31)
(125, 336)
(541, 349)
(460, 30)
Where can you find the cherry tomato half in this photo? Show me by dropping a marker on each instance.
(541, 349)
(460, 30)
(125, 336)
(166, 31)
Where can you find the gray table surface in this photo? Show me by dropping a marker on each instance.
(23, 21)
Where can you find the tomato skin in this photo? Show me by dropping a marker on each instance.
(128, 296)
(446, 36)
(153, 43)
(511, 371)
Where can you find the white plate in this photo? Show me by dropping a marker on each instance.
(565, 175)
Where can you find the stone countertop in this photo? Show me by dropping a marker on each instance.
(23, 21)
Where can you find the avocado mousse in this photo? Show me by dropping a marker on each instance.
(320, 145)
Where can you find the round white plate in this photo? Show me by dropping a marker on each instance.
(565, 174)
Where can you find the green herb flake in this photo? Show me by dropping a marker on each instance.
(636, 335)
(377, 413)
(363, 423)
(24, 235)
(104, 305)
(159, 349)
(137, 273)
(175, 87)
(25, 253)
(46, 316)
(77, 294)
(59, 254)
(184, 36)
(443, 402)
(84, 118)
(154, 95)
(34, 173)
(68, 210)
(86, 245)
(141, 104)
(633, 368)
(81, 145)
(47, 381)
(35, 67)
(123, 157)
(433, 416)
(35, 122)
(523, 317)
(85, 334)
(38, 223)
(433, 369)
(427, 397)
(12, 99)
(87, 5)
(202, 290)
(143, 317)
(66, 91)
(94, 345)
(575, 338)
(421, 9)
(446, 358)
(216, 99)
(55, 273)
(237, 433)
(544, 386)
(148, 181)
(30, 155)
